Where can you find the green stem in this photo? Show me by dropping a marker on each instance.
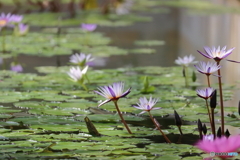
(158, 127)
(3, 40)
(208, 80)
(88, 81)
(186, 75)
(120, 115)
(210, 119)
(84, 86)
(213, 123)
(221, 99)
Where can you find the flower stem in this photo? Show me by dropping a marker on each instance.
(88, 81)
(120, 115)
(210, 119)
(221, 99)
(158, 127)
(186, 75)
(208, 80)
(3, 40)
(213, 123)
(84, 86)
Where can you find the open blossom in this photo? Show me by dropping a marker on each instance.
(219, 145)
(88, 27)
(81, 59)
(205, 93)
(185, 61)
(146, 105)
(21, 29)
(207, 68)
(216, 53)
(76, 74)
(209, 137)
(16, 67)
(123, 7)
(112, 92)
(9, 19)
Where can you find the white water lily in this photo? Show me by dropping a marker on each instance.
(185, 61)
(76, 74)
(81, 59)
(146, 105)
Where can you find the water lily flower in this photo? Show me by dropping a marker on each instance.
(112, 92)
(207, 68)
(216, 53)
(209, 137)
(77, 74)
(123, 7)
(185, 61)
(220, 145)
(88, 27)
(21, 29)
(146, 105)
(81, 59)
(16, 67)
(205, 93)
(9, 19)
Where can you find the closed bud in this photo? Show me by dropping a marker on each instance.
(239, 107)
(219, 132)
(204, 129)
(213, 100)
(227, 133)
(178, 120)
(194, 77)
(200, 127)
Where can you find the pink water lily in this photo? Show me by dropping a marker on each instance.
(112, 92)
(146, 105)
(219, 145)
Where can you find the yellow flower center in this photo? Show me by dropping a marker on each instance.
(3, 22)
(217, 54)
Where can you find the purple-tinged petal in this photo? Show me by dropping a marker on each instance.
(232, 61)
(225, 55)
(155, 108)
(126, 93)
(136, 107)
(112, 92)
(100, 93)
(148, 107)
(208, 70)
(216, 75)
(104, 102)
(142, 112)
(205, 55)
